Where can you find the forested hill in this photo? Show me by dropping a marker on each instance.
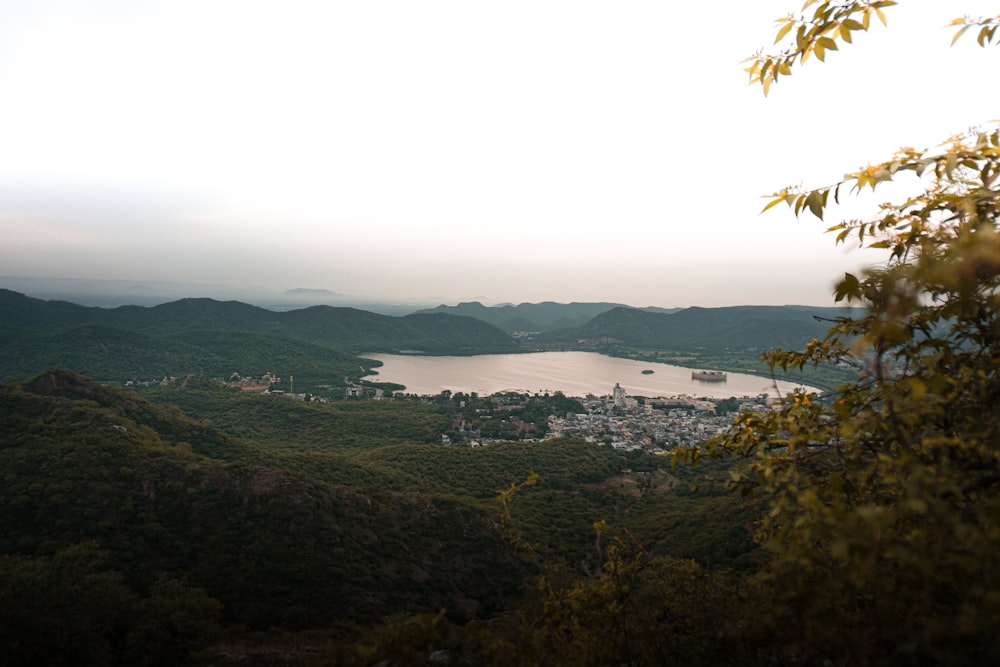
(204, 336)
(164, 496)
(319, 344)
(347, 329)
(538, 317)
(693, 329)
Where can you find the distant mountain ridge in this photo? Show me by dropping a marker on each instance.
(217, 338)
(727, 328)
(536, 317)
(347, 329)
(320, 344)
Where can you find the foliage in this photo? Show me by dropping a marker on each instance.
(275, 547)
(831, 23)
(208, 337)
(292, 425)
(410, 528)
(530, 317)
(883, 496)
(71, 609)
(693, 329)
(635, 610)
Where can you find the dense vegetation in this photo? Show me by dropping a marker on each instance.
(317, 345)
(265, 512)
(535, 317)
(752, 328)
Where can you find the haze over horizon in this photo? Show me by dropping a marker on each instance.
(440, 152)
(113, 293)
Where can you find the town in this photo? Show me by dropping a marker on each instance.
(626, 423)
(655, 425)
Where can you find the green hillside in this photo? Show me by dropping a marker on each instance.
(345, 329)
(102, 352)
(202, 336)
(317, 344)
(253, 512)
(83, 462)
(395, 445)
(692, 329)
(119, 355)
(537, 317)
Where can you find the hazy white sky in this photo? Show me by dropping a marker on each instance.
(446, 151)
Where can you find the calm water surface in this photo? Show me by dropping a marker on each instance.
(573, 373)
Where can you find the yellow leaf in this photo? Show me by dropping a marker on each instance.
(958, 34)
(774, 202)
(784, 30)
(827, 43)
(765, 68)
(815, 203)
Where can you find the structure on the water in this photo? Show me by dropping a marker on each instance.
(708, 376)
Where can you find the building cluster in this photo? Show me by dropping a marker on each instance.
(655, 425)
(253, 384)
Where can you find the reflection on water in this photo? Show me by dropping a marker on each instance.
(573, 373)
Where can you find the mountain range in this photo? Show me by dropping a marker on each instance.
(546, 316)
(716, 329)
(321, 344)
(216, 338)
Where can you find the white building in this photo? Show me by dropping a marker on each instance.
(619, 396)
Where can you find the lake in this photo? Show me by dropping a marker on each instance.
(572, 373)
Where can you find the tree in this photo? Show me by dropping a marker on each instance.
(883, 497)
(71, 610)
(64, 610)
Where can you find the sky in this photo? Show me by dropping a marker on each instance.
(442, 152)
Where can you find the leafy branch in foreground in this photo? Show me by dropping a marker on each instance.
(805, 36)
(883, 496)
(833, 23)
(987, 28)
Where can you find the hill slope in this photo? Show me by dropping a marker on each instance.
(347, 329)
(537, 317)
(204, 336)
(80, 461)
(730, 328)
